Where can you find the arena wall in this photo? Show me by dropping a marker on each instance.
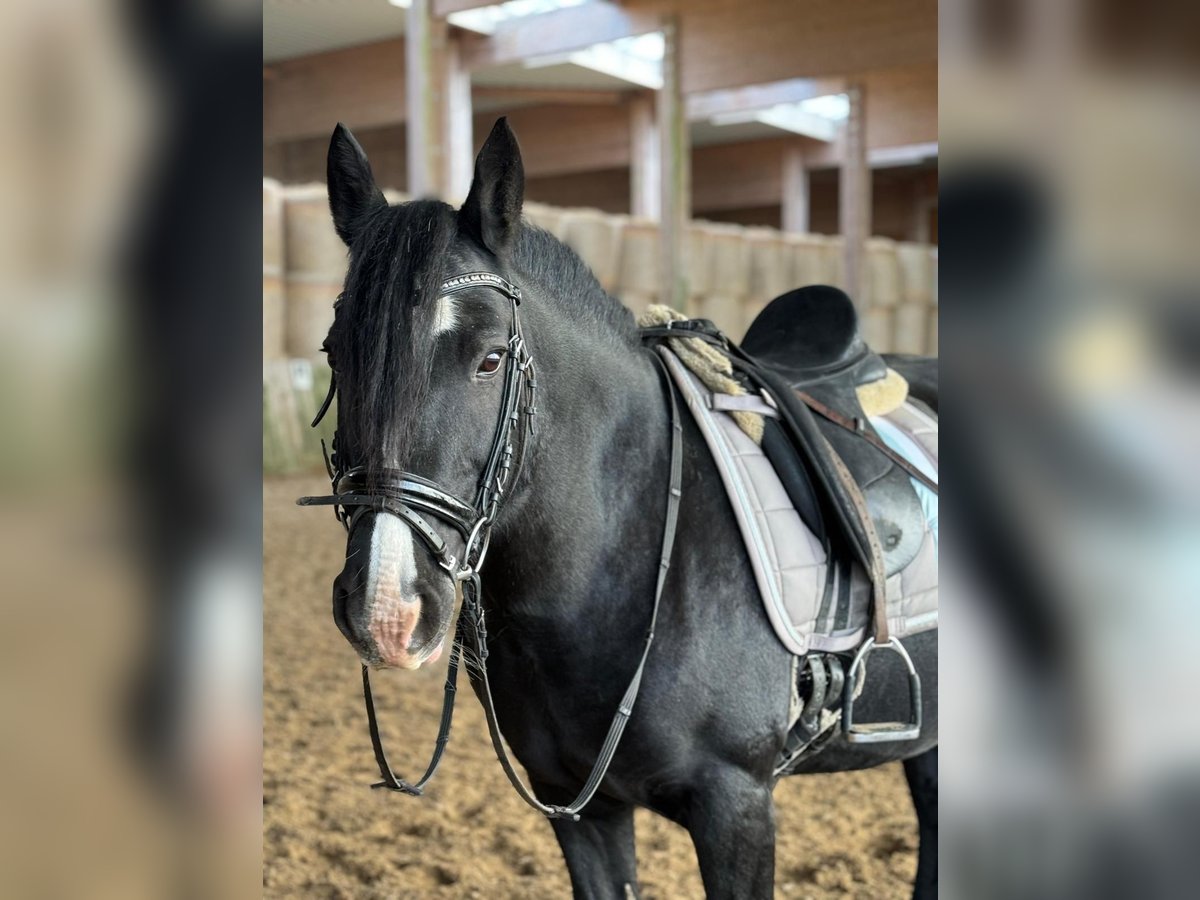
(735, 271)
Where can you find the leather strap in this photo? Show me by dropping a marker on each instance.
(406, 496)
(859, 527)
(474, 612)
(878, 572)
(858, 427)
(742, 403)
(390, 781)
(364, 503)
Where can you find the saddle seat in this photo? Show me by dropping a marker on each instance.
(810, 335)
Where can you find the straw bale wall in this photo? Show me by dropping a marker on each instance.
(733, 272)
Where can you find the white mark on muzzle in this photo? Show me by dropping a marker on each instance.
(393, 607)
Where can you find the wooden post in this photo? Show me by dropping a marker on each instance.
(794, 214)
(424, 43)
(645, 155)
(458, 140)
(674, 165)
(855, 199)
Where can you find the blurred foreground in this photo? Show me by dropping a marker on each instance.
(130, 382)
(1070, 210)
(130, 529)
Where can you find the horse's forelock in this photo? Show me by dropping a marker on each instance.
(382, 340)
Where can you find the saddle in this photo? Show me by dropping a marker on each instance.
(809, 338)
(802, 361)
(811, 335)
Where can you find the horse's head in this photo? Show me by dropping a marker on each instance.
(420, 379)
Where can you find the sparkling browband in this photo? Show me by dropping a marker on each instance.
(477, 279)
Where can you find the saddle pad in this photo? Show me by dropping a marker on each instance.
(913, 434)
(809, 607)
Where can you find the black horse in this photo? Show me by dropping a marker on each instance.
(574, 556)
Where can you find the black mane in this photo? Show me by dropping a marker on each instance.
(380, 345)
(543, 259)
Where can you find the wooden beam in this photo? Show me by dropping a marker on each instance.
(908, 155)
(362, 87)
(674, 166)
(738, 176)
(728, 44)
(645, 174)
(795, 201)
(424, 38)
(560, 140)
(708, 104)
(855, 197)
(904, 106)
(561, 31)
(458, 142)
(605, 189)
(599, 97)
(922, 203)
(830, 156)
(443, 8)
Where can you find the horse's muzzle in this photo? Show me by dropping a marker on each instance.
(388, 601)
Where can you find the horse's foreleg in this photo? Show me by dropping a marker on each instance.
(599, 850)
(732, 823)
(922, 774)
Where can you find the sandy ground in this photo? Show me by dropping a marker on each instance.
(325, 834)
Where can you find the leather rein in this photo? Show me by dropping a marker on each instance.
(412, 499)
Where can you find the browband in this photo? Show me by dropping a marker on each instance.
(480, 279)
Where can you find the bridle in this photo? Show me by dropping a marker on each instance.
(407, 496)
(412, 499)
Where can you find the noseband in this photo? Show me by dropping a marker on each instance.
(412, 498)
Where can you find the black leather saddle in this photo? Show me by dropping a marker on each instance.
(810, 335)
(809, 338)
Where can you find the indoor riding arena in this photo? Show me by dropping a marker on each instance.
(326, 834)
(706, 155)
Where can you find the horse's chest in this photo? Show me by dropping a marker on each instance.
(555, 716)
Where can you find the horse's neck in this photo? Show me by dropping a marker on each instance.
(589, 507)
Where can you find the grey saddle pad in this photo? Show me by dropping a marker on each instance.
(813, 603)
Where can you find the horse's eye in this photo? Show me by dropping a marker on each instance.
(491, 364)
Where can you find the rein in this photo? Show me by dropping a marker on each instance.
(411, 498)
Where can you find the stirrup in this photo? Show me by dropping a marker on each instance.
(879, 732)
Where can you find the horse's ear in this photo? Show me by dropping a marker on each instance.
(492, 211)
(352, 189)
